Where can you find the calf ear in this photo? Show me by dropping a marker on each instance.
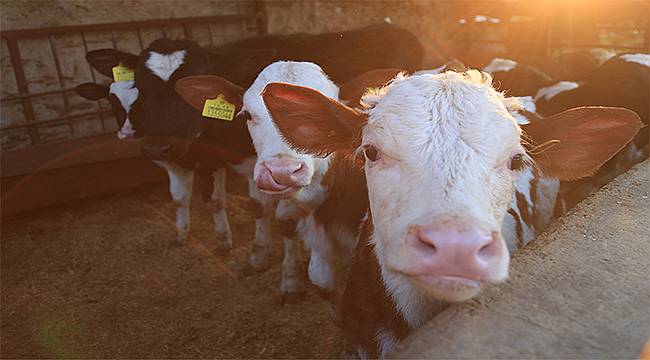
(92, 91)
(196, 89)
(104, 60)
(352, 91)
(455, 65)
(312, 121)
(589, 137)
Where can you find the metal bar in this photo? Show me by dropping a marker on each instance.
(58, 119)
(187, 30)
(23, 89)
(113, 40)
(92, 75)
(43, 93)
(140, 38)
(261, 18)
(244, 29)
(59, 74)
(210, 34)
(127, 25)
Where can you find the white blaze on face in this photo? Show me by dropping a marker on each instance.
(127, 94)
(445, 142)
(499, 64)
(549, 92)
(164, 65)
(641, 59)
(281, 170)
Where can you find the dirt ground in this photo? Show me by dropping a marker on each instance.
(100, 278)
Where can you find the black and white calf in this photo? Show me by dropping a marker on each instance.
(121, 95)
(515, 78)
(623, 81)
(438, 187)
(182, 141)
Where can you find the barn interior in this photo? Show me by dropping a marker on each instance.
(88, 264)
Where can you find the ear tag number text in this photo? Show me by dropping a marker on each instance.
(219, 108)
(122, 73)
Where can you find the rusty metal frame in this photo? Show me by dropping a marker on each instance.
(257, 18)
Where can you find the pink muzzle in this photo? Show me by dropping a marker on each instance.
(282, 175)
(455, 252)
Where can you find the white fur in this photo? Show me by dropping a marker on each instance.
(433, 71)
(321, 266)
(164, 65)
(480, 18)
(529, 105)
(601, 55)
(180, 187)
(549, 92)
(499, 64)
(445, 141)
(642, 59)
(127, 94)
(220, 217)
(386, 341)
(259, 257)
(292, 279)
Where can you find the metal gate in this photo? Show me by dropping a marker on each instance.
(38, 102)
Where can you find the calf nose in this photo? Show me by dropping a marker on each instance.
(288, 172)
(472, 254)
(157, 151)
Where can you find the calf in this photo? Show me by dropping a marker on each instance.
(343, 55)
(166, 136)
(624, 81)
(517, 79)
(298, 181)
(180, 140)
(438, 187)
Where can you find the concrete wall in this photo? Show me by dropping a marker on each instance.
(424, 18)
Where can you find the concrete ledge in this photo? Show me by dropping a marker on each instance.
(582, 290)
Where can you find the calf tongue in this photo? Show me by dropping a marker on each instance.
(266, 182)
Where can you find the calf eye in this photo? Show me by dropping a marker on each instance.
(516, 162)
(371, 153)
(243, 116)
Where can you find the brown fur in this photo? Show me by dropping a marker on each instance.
(366, 307)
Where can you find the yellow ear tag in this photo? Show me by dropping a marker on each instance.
(122, 73)
(219, 108)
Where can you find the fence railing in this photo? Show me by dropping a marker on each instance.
(22, 125)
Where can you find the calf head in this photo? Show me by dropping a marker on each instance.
(442, 153)
(171, 125)
(280, 170)
(122, 95)
(517, 79)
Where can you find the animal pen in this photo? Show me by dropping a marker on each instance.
(87, 266)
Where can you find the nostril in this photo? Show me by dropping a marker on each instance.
(299, 168)
(426, 245)
(490, 248)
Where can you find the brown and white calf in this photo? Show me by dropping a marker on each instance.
(442, 158)
(297, 181)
